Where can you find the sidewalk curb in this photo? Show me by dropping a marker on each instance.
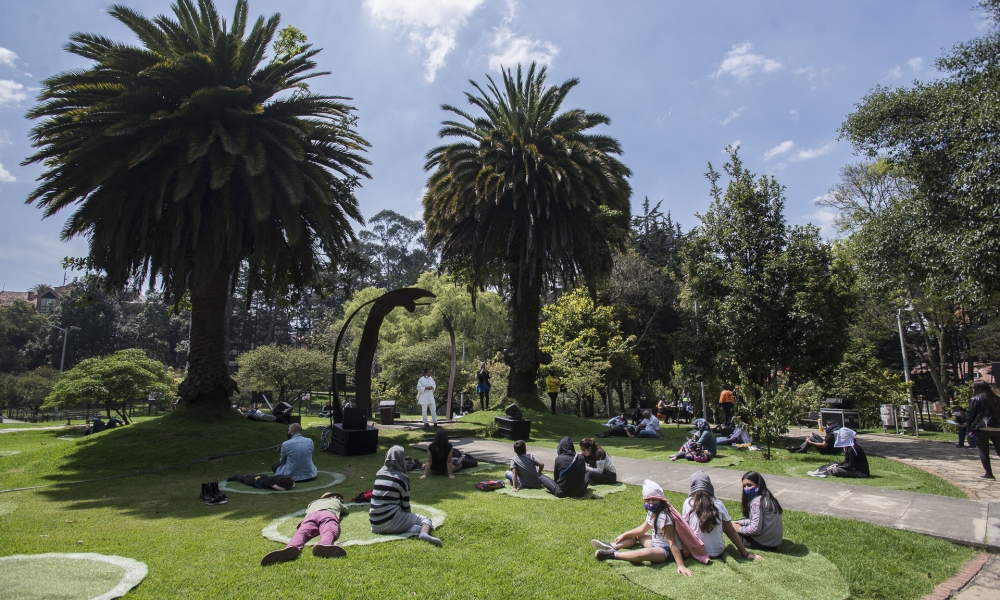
(972, 495)
(947, 588)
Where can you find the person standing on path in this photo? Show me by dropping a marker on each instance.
(425, 397)
(727, 400)
(552, 385)
(984, 421)
(483, 386)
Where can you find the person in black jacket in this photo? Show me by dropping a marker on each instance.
(855, 463)
(570, 470)
(983, 418)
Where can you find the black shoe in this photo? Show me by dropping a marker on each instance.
(794, 449)
(604, 554)
(206, 492)
(283, 555)
(331, 551)
(987, 478)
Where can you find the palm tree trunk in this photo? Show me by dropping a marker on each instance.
(208, 384)
(523, 356)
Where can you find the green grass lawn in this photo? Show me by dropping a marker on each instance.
(491, 541)
(547, 429)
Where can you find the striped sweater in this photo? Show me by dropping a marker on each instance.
(390, 495)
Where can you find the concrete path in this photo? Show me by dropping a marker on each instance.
(985, 585)
(967, 522)
(53, 428)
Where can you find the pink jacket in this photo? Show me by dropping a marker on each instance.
(692, 546)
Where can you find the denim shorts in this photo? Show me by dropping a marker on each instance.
(666, 552)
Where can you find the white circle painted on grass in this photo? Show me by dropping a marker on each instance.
(6, 508)
(69, 438)
(355, 530)
(324, 479)
(9, 452)
(71, 576)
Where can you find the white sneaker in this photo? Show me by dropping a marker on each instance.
(599, 545)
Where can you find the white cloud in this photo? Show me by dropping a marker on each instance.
(735, 144)
(11, 92)
(894, 73)
(5, 176)
(740, 62)
(511, 50)
(794, 114)
(823, 218)
(811, 153)
(781, 148)
(432, 25)
(7, 57)
(733, 114)
(916, 63)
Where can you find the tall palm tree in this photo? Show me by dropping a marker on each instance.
(188, 156)
(527, 199)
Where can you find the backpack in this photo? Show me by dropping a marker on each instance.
(490, 484)
(363, 498)
(468, 461)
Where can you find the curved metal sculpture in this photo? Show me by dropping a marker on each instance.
(383, 305)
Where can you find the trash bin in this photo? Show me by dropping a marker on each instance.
(888, 412)
(908, 416)
(386, 412)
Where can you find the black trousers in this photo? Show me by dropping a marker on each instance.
(595, 478)
(984, 440)
(484, 400)
(552, 397)
(727, 409)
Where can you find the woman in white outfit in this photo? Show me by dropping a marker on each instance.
(425, 396)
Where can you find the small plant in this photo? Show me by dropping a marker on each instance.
(767, 410)
(491, 430)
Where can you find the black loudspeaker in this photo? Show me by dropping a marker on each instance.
(514, 412)
(354, 418)
(341, 382)
(352, 442)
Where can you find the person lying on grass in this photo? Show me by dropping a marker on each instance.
(855, 463)
(279, 483)
(600, 469)
(322, 519)
(439, 457)
(569, 469)
(525, 469)
(701, 447)
(761, 527)
(708, 518)
(663, 544)
(390, 502)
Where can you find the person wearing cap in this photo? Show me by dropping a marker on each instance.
(708, 518)
(855, 462)
(322, 519)
(663, 544)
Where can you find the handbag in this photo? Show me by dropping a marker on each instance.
(490, 484)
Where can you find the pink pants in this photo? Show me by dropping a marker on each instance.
(323, 523)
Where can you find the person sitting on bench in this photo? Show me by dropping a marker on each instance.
(855, 464)
(296, 456)
(570, 470)
(282, 412)
(322, 519)
(823, 443)
(525, 469)
(279, 483)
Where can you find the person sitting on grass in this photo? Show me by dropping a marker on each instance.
(708, 518)
(296, 459)
(649, 427)
(525, 469)
(322, 519)
(600, 469)
(390, 502)
(663, 545)
(439, 457)
(570, 471)
(738, 436)
(279, 483)
(761, 527)
(855, 462)
(822, 443)
(701, 447)
(617, 421)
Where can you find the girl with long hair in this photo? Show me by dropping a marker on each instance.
(439, 457)
(708, 518)
(983, 418)
(600, 469)
(761, 526)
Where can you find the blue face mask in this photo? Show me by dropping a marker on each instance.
(750, 492)
(652, 506)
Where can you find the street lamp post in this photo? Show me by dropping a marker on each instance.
(62, 362)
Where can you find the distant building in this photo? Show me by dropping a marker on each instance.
(44, 301)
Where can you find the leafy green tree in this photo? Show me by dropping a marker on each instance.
(767, 410)
(527, 198)
(394, 247)
(97, 316)
(112, 381)
(20, 323)
(28, 390)
(288, 372)
(184, 157)
(404, 364)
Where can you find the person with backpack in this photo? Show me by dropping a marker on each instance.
(761, 527)
(600, 469)
(983, 418)
(570, 471)
(525, 470)
(390, 501)
(708, 518)
(322, 519)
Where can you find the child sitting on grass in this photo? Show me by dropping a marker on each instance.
(322, 519)
(701, 447)
(525, 469)
(664, 544)
(761, 526)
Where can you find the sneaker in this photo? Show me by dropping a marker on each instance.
(599, 545)
(283, 555)
(217, 499)
(206, 492)
(987, 478)
(331, 551)
(604, 554)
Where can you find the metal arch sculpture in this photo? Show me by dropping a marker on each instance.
(383, 305)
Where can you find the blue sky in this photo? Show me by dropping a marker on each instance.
(680, 81)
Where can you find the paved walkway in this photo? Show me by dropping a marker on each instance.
(16, 429)
(967, 522)
(985, 585)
